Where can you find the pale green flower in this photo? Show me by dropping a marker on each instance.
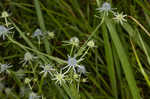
(5, 14)
(59, 78)
(120, 18)
(27, 58)
(91, 44)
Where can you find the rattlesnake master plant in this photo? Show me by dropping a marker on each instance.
(44, 66)
(72, 62)
(105, 8)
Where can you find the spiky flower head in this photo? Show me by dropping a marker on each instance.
(4, 31)
(37, 33)
(28, 57)
(47, 68)
(59, 78)
(4, 67)
(72, 62)
(120, 18)
(105, 8)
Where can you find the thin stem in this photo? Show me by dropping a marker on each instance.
(92, 34)
(71, 50)
(85, 53)
(58, 60)
(140, 65)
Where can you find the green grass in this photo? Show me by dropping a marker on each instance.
(118, 66)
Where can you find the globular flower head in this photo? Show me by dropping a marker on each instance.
(119, 17)
(4, 31)
(74, 41)
(28, 57)
(91, 44)
(47, 68)
(59, 77)
(37, 33)
(72, 62)
(5, 14)
(4, 67)
(81, 69)
(33, 95)
(106, 7)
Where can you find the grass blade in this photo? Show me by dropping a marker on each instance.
(124, 60)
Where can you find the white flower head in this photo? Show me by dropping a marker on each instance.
(59, 77)
(72, 62)
(106, 8)
(119, 17)
(33, 95)
(91, 44)
(4, 31)
(5, 14)
(28, 57)
(47, 68)
(4, 67)
(73, 41)
(37, 33)
(81, 69)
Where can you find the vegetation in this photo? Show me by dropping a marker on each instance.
(74, 49)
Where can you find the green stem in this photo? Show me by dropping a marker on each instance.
(58, 60)
(71, 50)
(92, 34)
